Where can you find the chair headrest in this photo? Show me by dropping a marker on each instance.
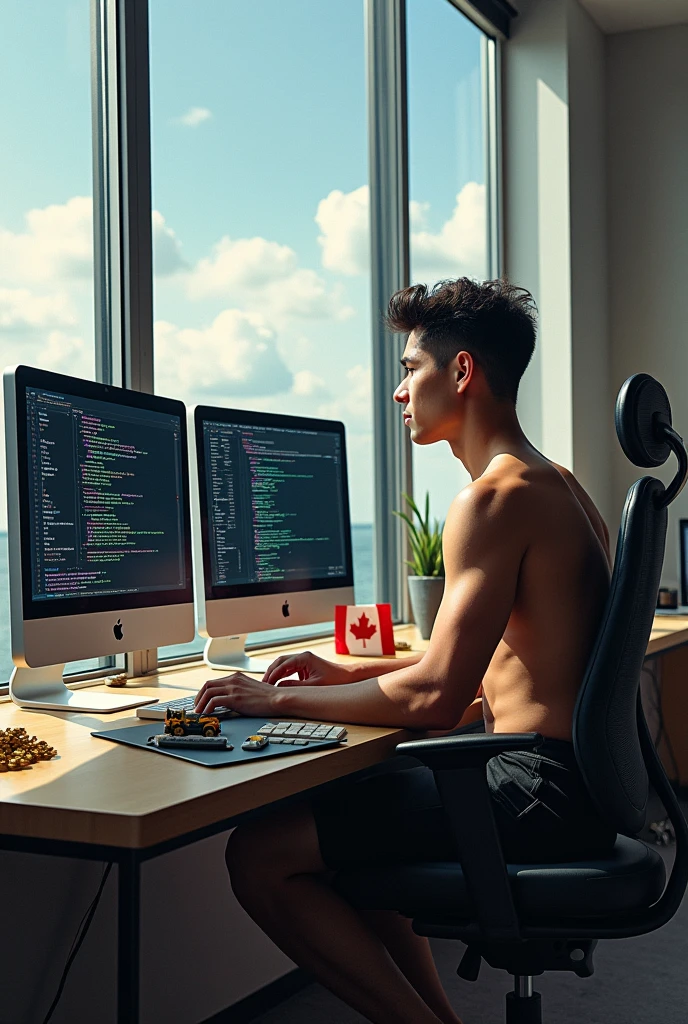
(641, 416)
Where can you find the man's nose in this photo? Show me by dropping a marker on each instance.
(401, 394)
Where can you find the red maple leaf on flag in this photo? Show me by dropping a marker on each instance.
(363, 629)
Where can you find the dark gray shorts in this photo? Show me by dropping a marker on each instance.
(395, 815)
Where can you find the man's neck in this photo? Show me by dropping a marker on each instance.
(488, 432)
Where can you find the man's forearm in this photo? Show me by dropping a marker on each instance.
(405, 703)
(381, 666)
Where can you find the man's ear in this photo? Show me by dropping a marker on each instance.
(464, 365)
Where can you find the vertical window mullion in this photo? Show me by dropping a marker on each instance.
(122, 207)
(389, 238)
(493, 164)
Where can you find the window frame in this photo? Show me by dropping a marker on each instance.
(123, 263)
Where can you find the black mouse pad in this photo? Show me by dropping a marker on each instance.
(235, 729)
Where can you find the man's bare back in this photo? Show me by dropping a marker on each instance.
(533, 678)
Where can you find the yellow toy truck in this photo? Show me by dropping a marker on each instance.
(182, 723)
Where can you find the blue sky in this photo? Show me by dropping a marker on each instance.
(281, 139)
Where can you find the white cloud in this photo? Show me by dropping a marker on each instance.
(235, 355)
(167, 249)
(58, 244)
(264, 276)
(67, 353)
(308, 385)
(195, 116)
(345, 233)
(457, 249)
(21, 310)
(246, 263)
(353, 402)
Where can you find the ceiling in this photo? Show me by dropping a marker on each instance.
(626, 15)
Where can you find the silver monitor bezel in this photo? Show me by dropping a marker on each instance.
(73, 632)
(311, 602)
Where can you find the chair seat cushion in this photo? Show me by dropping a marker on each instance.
(630, 878)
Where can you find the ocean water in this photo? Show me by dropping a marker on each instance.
(362, 550)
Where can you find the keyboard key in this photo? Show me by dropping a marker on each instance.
(300, 743)
(276, 739)
(288, 739)
(336, 733)
(266, 730)
(294, 729)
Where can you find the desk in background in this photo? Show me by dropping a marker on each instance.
(668, 648)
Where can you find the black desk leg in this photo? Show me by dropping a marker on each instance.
(128, 938)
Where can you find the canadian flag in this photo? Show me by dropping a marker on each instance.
(363, 629)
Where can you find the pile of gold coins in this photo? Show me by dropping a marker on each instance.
(19, 750)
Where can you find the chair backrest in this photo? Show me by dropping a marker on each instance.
(605, 728)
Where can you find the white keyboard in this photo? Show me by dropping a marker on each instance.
(301, 733)
(157, 711)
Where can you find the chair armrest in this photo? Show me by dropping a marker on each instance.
(468, 808)
(451, 753)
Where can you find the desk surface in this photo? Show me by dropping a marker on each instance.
(104, 793)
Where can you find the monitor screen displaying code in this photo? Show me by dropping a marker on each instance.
(276, 504)
(105, 497)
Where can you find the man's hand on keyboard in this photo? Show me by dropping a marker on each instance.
(311, 671)
(239, 692)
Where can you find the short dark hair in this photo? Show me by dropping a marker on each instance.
(493, 320)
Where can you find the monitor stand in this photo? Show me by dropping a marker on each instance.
(229, 653)
(43, 689)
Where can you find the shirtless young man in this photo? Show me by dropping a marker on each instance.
(526, 559)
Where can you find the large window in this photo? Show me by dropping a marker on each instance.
(260, 214)
(449, 223)
(259, 150)
(46, 247)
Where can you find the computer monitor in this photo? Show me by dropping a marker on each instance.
(272, 531)
(98, 528)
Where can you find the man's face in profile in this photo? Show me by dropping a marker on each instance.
(428, 394)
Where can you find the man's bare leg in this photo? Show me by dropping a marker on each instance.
(279, 878)
(413, 957)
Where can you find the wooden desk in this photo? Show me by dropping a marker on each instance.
(668, 633)
(104, 801)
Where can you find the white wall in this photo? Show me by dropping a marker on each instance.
(647, 97)
(597, 125)
(555, 236)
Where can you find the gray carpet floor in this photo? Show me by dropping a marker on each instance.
(642, 980)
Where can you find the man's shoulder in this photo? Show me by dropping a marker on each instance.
(488, 500)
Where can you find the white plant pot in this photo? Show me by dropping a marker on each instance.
(426, 596)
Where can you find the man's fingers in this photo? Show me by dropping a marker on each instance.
(208, 693)
(284, 666)
(274, 666)
(214, 703)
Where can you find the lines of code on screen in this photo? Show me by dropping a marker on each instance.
(275, 503)
(105, 513)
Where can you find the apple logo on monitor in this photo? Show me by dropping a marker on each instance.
(285, 609)
(118, 630)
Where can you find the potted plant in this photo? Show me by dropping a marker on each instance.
(426, 581)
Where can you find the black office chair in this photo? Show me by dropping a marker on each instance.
(531, 918)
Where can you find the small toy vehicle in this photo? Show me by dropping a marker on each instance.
(181, 723)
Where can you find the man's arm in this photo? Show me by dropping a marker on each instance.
(484, 543)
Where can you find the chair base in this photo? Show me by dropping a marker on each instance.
(523, 1009)
(534, 956)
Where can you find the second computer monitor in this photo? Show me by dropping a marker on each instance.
(272, 526)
